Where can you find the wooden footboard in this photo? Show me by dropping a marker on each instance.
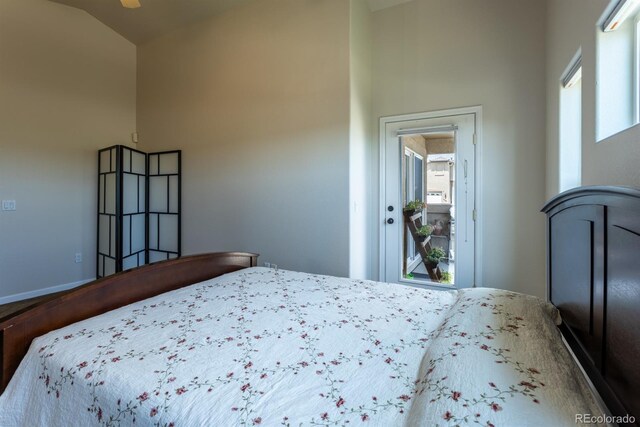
(594, 280)
(18, 330)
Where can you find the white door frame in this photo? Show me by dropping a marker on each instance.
(479, 232)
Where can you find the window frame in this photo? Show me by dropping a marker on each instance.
(606, 126)
(636, 68)
(566, 140)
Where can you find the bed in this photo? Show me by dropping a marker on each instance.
(214, 340)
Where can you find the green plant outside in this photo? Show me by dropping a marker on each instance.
(415, 205)
(425, 230)
(435, 255)
(446, 277)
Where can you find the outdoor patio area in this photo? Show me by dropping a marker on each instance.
(420, 271)
(439, 217)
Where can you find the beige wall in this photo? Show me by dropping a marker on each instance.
(433, 54)
(272, 115)
(258, 100)
(614, 161)
(416, 143)
(439, 179)
(67, 88)
(361, 133)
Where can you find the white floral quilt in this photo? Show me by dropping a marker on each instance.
(280, 348)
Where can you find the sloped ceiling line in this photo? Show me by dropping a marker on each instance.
(158, 17)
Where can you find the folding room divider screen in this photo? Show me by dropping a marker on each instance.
(138, 208)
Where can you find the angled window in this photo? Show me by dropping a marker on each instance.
(570, 172)
(617, 68)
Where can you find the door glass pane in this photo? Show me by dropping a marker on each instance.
(418, 180)
(429, 173)
(409, 249)
(405, 173)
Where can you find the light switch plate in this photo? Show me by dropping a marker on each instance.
(8, 205)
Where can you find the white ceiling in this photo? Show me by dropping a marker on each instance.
(157, 17)
(154, 18)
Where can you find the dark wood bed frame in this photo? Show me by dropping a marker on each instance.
(594, 280)
(18, 330)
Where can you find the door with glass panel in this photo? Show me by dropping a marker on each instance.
(428, 200)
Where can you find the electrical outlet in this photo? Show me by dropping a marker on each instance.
(78, 257)
(8, 205)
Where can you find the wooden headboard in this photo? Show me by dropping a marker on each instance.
(18, 330)
(594, 280)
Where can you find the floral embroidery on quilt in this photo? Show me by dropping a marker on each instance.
(265, 347)
(192, 327)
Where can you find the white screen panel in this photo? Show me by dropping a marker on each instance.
(173, 194)
(137, 234)
(109, 266)
(129, 193)
(169, 163)
(169, 233)
(153, 164)
(101, 194)
(141, 192)
(139, 163)
(110, 193)
(130, 262)
(103, 238)
(126, 160)
(158, 194)
(113, 236)
(157, 256)
(153, 231)
(125, 236)
(104, 161)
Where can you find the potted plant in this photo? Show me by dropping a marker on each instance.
(434, 256)
(446, 278)
(414, 206)
(425, 231)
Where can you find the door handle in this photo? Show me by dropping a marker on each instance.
(390, 221)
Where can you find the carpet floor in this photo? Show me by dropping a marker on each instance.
(7, 310)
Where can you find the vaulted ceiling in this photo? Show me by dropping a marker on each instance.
(157, 17)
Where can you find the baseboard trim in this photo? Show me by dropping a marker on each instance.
(39, 292)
